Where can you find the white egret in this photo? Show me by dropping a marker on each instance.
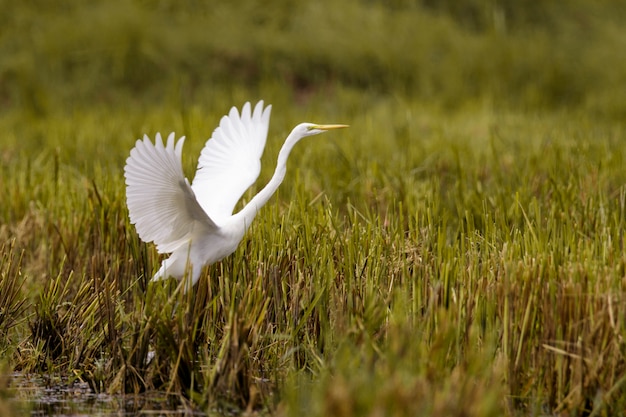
(195, 222)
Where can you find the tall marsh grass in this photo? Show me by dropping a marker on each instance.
(420, 263)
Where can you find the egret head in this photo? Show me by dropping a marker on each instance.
(310, 129)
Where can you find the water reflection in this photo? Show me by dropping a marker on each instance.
(37, 395)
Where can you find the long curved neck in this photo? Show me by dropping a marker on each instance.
(252, 208)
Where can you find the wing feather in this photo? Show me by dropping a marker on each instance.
(161, 203)
(231, 159)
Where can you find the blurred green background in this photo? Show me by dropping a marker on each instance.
(60, 55)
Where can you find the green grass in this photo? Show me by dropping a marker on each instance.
(419, 263)
(458, 250)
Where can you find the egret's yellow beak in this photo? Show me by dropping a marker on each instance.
(329, 127)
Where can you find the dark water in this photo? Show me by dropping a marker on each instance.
(54, 396)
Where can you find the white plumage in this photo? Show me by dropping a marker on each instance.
(195, 222)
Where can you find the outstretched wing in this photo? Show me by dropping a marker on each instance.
(231, 160)
(161, 204)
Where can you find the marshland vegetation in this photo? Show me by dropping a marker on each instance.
(458, 251)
